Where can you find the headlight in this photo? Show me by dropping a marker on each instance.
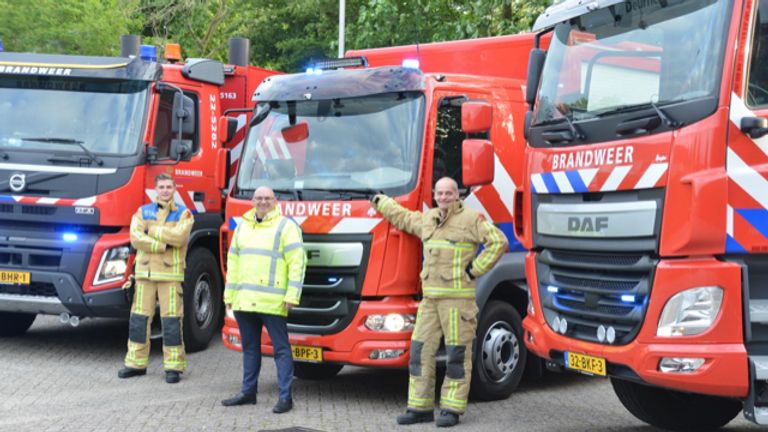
(690, 312)
(113, 265)
(391, 322)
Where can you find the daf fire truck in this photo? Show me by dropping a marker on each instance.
(329, 139)
(81, 141)
(645, 204)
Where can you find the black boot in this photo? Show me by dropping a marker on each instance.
(282, 406)
(128, 372)
(412, 417)
(447, 419)
(240, 399)
(172, 377)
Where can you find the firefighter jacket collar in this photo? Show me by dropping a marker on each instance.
(268, 219)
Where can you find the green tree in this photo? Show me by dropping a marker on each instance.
(66, 26)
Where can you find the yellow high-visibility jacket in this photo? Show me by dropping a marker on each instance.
(159, 233)
(265, 264)
(450, 245)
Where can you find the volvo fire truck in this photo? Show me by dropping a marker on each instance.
(329, 139)
(645, 204)
(81, 141)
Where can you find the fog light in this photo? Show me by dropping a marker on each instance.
(385, 354)
(233, 340)
(680, 364)
(610, 335)
(390, 322)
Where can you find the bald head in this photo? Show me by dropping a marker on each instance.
(263, 201)
(446, 193)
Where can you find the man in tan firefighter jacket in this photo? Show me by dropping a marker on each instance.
(451, 234)
(159, 233)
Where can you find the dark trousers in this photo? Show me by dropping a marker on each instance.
(250, 325)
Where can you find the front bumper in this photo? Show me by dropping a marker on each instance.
(354, 344)
(725, 371)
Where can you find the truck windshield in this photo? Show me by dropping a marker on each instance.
(363, 144)
(37, 113)
(633, 54)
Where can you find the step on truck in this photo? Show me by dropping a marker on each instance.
(329, 139)
(81, 141)
(645, 204)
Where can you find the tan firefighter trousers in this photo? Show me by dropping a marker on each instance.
(456, 319)
(171, 313)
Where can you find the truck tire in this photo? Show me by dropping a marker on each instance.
(203, 305)
(500, 353)
(673, 410)
(313, 371)
(15, 323)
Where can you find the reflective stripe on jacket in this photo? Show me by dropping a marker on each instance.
(265, 264)
(449, 245)
(159, 233)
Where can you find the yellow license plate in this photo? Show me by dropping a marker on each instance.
(585, 363)
(307, 354)
(14, 278)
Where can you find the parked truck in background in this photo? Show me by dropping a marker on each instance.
(327, 140)
(81, 141)
(645, 204)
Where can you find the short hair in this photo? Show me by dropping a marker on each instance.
(164, 176)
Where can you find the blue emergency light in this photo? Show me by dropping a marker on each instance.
(553, 289)
(1, 45)
(148, 52)
(69, 237)
(628, 298)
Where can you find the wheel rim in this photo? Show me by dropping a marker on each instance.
(202, 300)
(500, 351)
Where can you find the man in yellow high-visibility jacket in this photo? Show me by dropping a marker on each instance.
(159, 232)
(265, 272)
(451, 234)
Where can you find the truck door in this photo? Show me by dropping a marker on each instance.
(194, 174)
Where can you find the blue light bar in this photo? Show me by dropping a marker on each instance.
(69, 237)
(411, 63)
(553, 289)
(310, 71)
(333, 279)
(628, 298)
(148, 52)
(1, 45)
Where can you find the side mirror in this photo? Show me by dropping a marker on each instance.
(227, 128)
(755, 127)
(477, 163)
(527, 124)
(296, 133)
(476, 116)
(535, 66)
(221, 177)
(180, 150)
(183, 118)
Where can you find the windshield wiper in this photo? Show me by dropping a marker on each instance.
(665, 118)
(92, 157)
(669, 121)
(294, 192)
(560, 136)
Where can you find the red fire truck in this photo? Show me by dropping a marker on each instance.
(81, 140)
(328, 139)
(645, 204)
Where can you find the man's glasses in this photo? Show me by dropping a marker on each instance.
(262, 199)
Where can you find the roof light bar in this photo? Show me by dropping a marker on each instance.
(340, 63)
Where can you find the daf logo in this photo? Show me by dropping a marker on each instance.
(17, 182)
(587, 224)
(313, 254)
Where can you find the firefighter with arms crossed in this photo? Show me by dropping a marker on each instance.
(451, 235)
(159, 233)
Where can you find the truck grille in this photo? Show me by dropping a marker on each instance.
(331, 295)
(593, 293)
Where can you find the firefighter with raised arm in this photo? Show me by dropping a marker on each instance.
(451, 235)
(159, 233)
